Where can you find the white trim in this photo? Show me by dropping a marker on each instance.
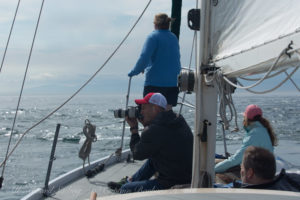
(202, 193)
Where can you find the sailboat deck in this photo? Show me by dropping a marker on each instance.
(82, 188)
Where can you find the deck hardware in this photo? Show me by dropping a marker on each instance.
(186, 81)
(211, 67)
(204, 132)
(215, 2)
(193, 19)
(288, 49)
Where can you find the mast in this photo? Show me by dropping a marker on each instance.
(206, 109)
(176, 14)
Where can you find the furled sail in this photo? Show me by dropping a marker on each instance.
(247, 36)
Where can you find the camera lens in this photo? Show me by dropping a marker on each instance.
(119, 113)
(131, 112)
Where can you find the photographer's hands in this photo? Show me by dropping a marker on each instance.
(133, 123)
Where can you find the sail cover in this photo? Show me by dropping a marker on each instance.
(248, 35)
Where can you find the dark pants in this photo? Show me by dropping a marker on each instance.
(140, 180)
(171, 93)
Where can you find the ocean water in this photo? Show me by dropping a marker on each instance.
(26, 168)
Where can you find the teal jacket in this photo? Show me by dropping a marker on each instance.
(160, 59)
(256, 135)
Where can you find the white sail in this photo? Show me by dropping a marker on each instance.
(247, 36)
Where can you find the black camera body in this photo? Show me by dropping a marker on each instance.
(131, 112)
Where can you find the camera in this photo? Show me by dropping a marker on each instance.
(131, 112)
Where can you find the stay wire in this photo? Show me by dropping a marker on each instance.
(10, 32)
(186, 101)
(59, 107)
(23, 83)
(119, 150)
(296, 86)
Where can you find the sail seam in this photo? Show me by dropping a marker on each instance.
(257, 46)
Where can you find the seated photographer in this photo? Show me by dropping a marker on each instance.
(167, 144)
(258, 170)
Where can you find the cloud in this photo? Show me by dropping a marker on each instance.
(76, 37)
(43, 76)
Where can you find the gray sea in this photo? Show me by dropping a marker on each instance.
(26, 168)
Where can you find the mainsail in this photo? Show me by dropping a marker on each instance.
(247, 36)
(239, 37)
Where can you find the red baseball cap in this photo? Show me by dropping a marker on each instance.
(252, 111)
(153, 98)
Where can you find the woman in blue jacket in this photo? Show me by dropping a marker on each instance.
(258, 133)
(160, 59)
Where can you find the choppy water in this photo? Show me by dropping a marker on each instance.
(26, 168)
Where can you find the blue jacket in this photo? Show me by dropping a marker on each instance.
(160, 58)
(256, 135)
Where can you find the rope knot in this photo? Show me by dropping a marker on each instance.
(89, 131)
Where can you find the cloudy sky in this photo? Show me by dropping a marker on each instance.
(74, 39)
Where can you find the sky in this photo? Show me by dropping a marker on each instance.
(75, 38)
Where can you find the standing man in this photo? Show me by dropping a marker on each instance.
(160, 59)
(167, 144)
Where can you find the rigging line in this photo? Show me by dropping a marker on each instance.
(293, 82)
(11, 28)
(225, 99)
(23, 83)
(273, 75)
(280, 84)
(186, 104)
(193, 44)
(256, 79)
(124, 121)
(262, 79)
(191, 57)
(59, 107)
(186, 101)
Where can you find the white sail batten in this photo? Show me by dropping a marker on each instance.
(247, 36)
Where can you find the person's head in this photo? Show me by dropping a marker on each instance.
(258, 166)
(254, 113)
(162, 21)
(151, 105)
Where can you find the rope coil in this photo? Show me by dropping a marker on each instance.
(89, 131)
(225, 91)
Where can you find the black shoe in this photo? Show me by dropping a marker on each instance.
(117, 185)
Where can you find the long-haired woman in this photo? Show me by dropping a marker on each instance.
(258, 133)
